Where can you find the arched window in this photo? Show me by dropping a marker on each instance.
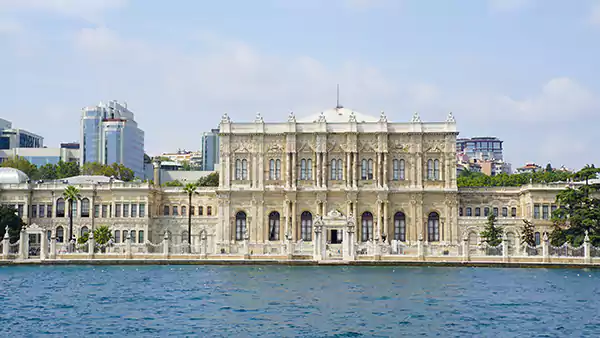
(400, 227)
(433, 227)
(175, 211)
(74, 208)
(117, 236)
(60, 234)
(272, 169)
(244, 169)
(125, 235)
(132, 236)
(309, 169)
(367, 226)
(513, 212)
(504, 212)
(277, 169)
(395, 170)
(469, 212)
(184, 236)
(60, 207)
(200, 210)
(240, 225)
(402, 170)
(85, 207)
(486, 211)
(460, 211)
(209, 211)
(274, 226)
(306, 221)
(538, 239)
(495, 211)
(238, 169)
(334, 169)
(370, 173)
(430, 169)
(166, 210)
(340, 169)
(141, 236)
(436, 170)
(183, 210)
(363, 169)
(84, 230)
(192, 210)
(477, 212)
(303, 169)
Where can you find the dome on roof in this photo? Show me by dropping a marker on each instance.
(12, 176)
(89, 179)
(339, 114)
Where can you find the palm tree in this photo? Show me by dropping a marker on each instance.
(190, 189)
(71, 194)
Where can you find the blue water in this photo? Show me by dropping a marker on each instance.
(275, 301)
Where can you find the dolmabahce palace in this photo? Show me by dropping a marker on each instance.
(337, 180)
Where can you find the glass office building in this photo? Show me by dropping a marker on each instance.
(210, 150)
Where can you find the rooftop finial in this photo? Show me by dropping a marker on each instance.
(338, 105)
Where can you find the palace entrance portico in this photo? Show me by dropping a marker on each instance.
(334, 237)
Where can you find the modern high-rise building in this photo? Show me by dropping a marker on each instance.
(11, 138)
(109, 134)
(481, 148)
(210, 149)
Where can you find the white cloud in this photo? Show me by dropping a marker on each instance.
(595, 14)
(509, 5)
(90, 10)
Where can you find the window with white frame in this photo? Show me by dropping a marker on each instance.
(306, 169)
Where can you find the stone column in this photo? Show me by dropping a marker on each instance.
(545, 248)
(5, 244)
(294, 167)
(377, 229)
(53, 246)
(24, 244)
(43, 247)
(166, 241)
(91, 244)
(385, 169)
(587, 253)
(504, 248)
(318, 170)
(376, 169)
(420, 249)
(347, 171)
(294, 222)
(386, 227)
(355, 173)
(317, 246)
(324, 173)
(128, 245)
(465, 248)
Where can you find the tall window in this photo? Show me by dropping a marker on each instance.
(433, 227)
(274, 169)
(49, 211)
(134, 210)
(460, 211)
(337, 170)
(74, 208)
(367, 226)
(117, 236)
(142, 212)
(400, 227)
(430, 169)
(366, 169)
(486, 211)
(436, 170)
(200, 210)
(104, 210)
(34, 211)
(538, 239)
(42, 210)
(125, 235)
(504, 212)
(274, 226)
(477, 212)
(84, 230)
(209, 211)
(363, 169)
(85, 207)
(183, 210)
(545, 212)
(60, 207)
(306, 226)
(277, 169)
(126, 210)
(175, 211)
(370, 173)
(60, 234)
(166, 210)
(240, 225)
(192, 210)
(395, 170)
(402, 170)
(513, 212)
(238, 169)
(306, 169)
(141, 236)
(536, 211)
(132, 236)
(495, 210)
(97, 210)
(244, 169)
(118, 210)
(333, 169)
(469, 211)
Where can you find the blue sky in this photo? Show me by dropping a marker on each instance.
(526, 71)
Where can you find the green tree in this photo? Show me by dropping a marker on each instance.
(116, 170)
(22, 164)
(492, 233)
(47, 172)
(549, 168)
(67, 169)
(528, 233)
(175, 183)
(9, 217)
(71, 194)
(102, 235)
(190, 190)
(210, 180)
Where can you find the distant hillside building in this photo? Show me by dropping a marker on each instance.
(482, 148)
(18, 138)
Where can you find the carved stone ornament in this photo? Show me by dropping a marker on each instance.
(275, 148)
(321, 118)
(334, 214)
(382, 117)
(292, 117)
(352, 117)
(259, 118)
(416, 118)
(450, 118)
(367, 146)
(399, 146)
(435, 148)
(225, 118)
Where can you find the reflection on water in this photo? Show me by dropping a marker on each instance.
(298, 301)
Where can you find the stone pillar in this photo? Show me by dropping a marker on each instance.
(5, 244)
(43, 247)
(587, 253)
(349, 251)
(386, 228)
(294, 222)
(317, 246)
(324, 172)
(318, 170)
(420, 249)
(128, 245)
(465, 248)
(91, 245)
(546, 248)
(376, 169)
(294, 179)
(53, 246)
(347, 171)
(24, 244)
(504, 248)
(166, 244)
(377, 229)
(355, 173)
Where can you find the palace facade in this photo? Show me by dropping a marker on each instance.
(336, 177)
